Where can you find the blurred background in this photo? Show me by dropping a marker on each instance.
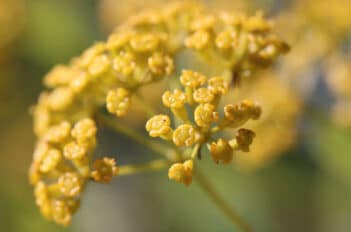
(298, 177)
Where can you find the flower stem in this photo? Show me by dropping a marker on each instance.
(146, 106)
(154, 165)
(235, 218)
(140, 138)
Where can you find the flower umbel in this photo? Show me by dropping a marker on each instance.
(108, 75)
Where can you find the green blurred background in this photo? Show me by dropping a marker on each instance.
(307, 189)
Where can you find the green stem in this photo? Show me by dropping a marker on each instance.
(154, 165)
(140, 138)
(235, 218)
(146, 106)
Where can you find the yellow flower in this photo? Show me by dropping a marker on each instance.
(160, 64)
(181, 172)
(60, 99)
(205, 114)
(221, 151)
(192, 79)
(203, 95)
(118, 101)
(59, 133)
(124, 64)
(104, 169)
(50, 160)
(159, 126)
(146, 42)
(199, 40)
(84, 130)
(226, 39)
(186, 135)
(99, 65)
(217, 85)
(73, 151)
(175, 100)
(243, 140)
(70, 184)
(61, 213)
(117, 41)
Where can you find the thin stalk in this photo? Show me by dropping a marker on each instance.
(154, 165)
(140, 138)
(235, 218)
(148, 109)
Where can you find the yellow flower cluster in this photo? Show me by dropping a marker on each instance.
(277, 129)
(235, 41)
(201, 97)
(109, 74)
(61, 168)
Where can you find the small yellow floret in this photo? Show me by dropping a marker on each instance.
(181, 172)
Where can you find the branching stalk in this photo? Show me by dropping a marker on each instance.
(235, 218)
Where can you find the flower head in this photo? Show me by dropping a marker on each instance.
(221, 151)
(70, 184)
(186, 135)
(182, 172)
(104, 169)
(177, 99)
(118, 101)
(192, 79)
(159, 125)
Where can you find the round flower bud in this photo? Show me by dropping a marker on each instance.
(74, 151)
(199, 40)
(159, 125)
(118, 101)
(244, 139)
(59, 133)
(99, 65)
(175, 100)
(233, 113)
(70, 184)
(145, 42)
(51, 159)
(79, 82)
(160, 64)
(217, 85)
(61, 213)
(60, 75)
(104, 169)
(205, 114)
(124, 64)
(250, 108)
(118, 40)
(226, 39)
(84, 130)
(41, 193)
(221, 151)
(181, 172)
(60, 99)
(192, 79)
(186, 135)
(203, 95)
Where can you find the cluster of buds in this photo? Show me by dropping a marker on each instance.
(201, 96)
(233, 40)
(140, 52)
(61, 168)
